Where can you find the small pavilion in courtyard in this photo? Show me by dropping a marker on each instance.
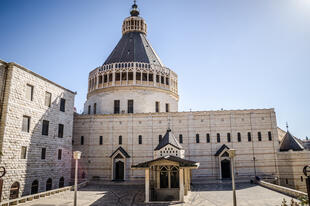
(168, 175)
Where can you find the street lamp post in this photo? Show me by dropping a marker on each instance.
(232, 154)
(76, 156)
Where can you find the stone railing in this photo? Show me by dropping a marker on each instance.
(40, 195)
(281, 189)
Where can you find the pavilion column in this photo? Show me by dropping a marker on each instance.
(158, 177)
(181, 181)
(185, 181)
(147, 185)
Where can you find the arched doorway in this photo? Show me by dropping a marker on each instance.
(61, 182)
(225, 168)
(119, 170)
(14, 191)
(35, 187)
(49, 184)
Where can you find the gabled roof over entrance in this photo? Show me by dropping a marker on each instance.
(120, 149)
(289, 142)
(182, 162)
(169, 138)
(222, 148)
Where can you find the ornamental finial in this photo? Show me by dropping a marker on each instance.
(134, 9)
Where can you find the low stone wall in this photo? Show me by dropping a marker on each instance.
(40, 195)
(284, 190)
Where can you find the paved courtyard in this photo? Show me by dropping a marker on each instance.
(202, 195)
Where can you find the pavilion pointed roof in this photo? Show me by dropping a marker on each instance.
(169, 138)
(289, 142)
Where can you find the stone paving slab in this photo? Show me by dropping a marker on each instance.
(201, 195)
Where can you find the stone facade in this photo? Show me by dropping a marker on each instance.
(13, 136)
(96, 161)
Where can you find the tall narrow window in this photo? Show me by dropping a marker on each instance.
(197, 138)
(48, 99)
(100, 79)
(167, 107)
(59, 154)
(89, 109)
(100, 140)
(140, 139)
(95, 108)
(120, 140)
(269, 136)
(259, 136)
(60, 130)
(249, 137)
(208, 138)
(130, 75)
(62, 104)
(150, 77)
(130, 106)
(156, 106)
(228, 137)
(138, 76)
(239, 137)
(23, 152)
(26, 124)
(181, 139)
(29, 92)
(157, 78)
(82, 140)
(43, 153)
(218, 137)
(160, 137)
(116, 106)
(45, 127)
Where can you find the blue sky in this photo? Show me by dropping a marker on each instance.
(230, 54)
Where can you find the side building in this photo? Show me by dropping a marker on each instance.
(35, 132)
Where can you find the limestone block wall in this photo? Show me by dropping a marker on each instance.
(96, 159)
(291, 165)
(16, 105)
(144, 100)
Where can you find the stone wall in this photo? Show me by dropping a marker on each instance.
(96, 161)
(144, 100)
(16, 105)
(291, 166)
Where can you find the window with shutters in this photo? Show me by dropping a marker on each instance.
(26, 124)
(45, 127)
(116, 106)
(29, 92)
(62, 105)
(181, 139)
(130, 106)
(60, 130)
(59, 154)
(197, 138)
(23, 152)
(48, 99)
(208, 137)
(269, 136)
(43, 153)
